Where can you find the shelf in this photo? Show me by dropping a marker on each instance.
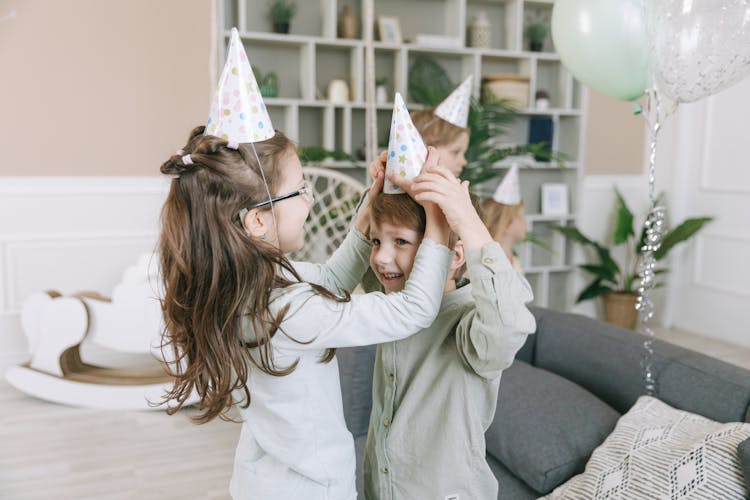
(307, 59)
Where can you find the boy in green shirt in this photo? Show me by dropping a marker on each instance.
(435, 393)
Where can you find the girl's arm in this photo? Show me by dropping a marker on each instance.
(314, 322)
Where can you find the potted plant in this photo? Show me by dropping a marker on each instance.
(617, 283)
(282, 12)
(537, 34)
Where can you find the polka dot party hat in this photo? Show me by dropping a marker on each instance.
(509, 190)
(455, 107)
(406, 149)
(238, 113)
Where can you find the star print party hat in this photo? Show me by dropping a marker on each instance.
(238, 113)
(455, 107)
(509, 190)
(406, 149)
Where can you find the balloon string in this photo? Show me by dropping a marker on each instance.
(654, 229)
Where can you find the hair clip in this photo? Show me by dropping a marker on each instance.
(233, 145)
(179, 152)
(187, 160)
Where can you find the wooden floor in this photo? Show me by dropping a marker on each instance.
(49, 451)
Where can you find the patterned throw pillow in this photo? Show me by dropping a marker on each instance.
(657, 451)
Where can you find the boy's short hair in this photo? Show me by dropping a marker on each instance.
(402, 210)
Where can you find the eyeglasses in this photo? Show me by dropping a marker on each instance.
(306, 191)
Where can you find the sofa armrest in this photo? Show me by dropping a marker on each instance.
(606, 360)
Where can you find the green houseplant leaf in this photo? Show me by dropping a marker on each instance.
(624, 227)
(679, 234)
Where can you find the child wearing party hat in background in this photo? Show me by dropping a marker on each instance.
(504, 215)
(435, 393)
(256, 332)
(445, 127)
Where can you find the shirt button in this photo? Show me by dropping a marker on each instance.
(386, 422)
(391, 376)
(488, 260)
(384, 470)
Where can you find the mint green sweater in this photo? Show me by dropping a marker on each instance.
(435, 393)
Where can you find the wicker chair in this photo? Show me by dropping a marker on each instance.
(336, 197)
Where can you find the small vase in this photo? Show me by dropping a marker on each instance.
(281, 27)
(381, 94)
(536, 46)
(347, 23)
(480, 31)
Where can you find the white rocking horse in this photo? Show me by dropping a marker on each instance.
(129, 322)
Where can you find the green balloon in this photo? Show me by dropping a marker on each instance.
(603, 43)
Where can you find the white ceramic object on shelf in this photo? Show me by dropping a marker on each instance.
(480, 31)
(338, 91)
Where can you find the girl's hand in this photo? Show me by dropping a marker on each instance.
(377, 172)
(438, 185)
(377, 165)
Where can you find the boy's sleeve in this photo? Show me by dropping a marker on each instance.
(344, 269)
(490, 334)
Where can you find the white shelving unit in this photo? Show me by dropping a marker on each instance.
(311, 55)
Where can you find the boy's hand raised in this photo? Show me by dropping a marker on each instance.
(437, 228)
(438, 185)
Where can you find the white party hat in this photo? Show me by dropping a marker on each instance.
(509, 190)
(406, 149)
(455, 107)
(238, 113)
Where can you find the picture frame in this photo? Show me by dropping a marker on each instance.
(555, 199)
(389, 29)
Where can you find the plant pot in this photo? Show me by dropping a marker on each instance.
(619, 309)
(281, 27)
(536, 46)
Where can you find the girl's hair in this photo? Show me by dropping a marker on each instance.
(498, 216)
(217, 278)
(434, 130)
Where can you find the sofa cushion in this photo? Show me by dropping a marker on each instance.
(546, 427)
(744, 451)
(355, 370)
(657, 451)
(509, 486)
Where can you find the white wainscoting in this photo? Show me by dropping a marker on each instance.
(69, 234)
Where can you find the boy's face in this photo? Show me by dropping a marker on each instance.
(393, 251)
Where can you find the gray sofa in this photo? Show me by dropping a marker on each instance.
(570, 383)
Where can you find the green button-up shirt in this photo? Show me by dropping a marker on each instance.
(435, 393)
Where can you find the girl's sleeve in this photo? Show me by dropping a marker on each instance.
(344, 269)
(316, 322)
(490, 334)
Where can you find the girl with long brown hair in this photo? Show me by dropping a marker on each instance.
(253, 331)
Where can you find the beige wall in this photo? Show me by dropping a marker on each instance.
(615, 138)
(101, 87)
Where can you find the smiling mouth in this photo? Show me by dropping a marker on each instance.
(388, 278)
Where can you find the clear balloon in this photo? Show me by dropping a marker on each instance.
(603, 43)
(698, 47)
